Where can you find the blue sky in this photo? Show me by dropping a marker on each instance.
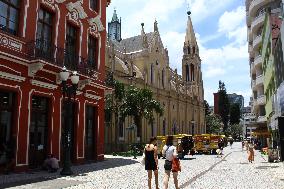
(220, 30)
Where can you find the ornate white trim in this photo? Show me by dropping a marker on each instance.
(96, 23)
(43, 84)
(76, 10)
(12, 77)
(83, 83)
(9, 42)
(95, 97)
(34, 68)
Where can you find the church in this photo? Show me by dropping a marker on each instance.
(143, 61)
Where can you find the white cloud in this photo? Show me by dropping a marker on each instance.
(229, 21)
(202, 9)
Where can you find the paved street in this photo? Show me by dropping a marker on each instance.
(200, 171)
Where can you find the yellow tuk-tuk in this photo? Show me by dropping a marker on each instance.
(202, 143)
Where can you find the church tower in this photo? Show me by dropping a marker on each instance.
(114, 28)
(191, 62)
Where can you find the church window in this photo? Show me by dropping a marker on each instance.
(163, 77)
(193, 50)
(188, 49)
(164, 127)
(152, 73)
(192, 72)
(187, 73)
(121, 127)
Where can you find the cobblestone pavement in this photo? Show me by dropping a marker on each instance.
(200, 171)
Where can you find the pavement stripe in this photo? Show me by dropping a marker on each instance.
(203, 172)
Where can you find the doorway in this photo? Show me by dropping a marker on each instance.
(90, 133)
(38, 132)
(7, 102)
(68, 119)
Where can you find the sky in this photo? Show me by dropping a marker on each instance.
(220, 29)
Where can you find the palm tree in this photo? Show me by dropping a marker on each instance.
(139, 104)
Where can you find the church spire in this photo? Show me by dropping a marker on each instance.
(114, 17)
(190, 38)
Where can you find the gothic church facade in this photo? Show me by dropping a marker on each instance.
(181, 95)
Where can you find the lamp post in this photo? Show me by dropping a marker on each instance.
(192, 127)
(69, 91)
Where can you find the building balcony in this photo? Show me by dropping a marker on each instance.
(253, 85)
(255, 5)
(252, 69)
(257, 22)
(256, 42)
(258, 61)
(259, 80)
(249, 33)
(41, 50)
(261, 119)
(261, 100)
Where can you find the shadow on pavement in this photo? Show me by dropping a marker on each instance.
(78, 170)
(188, 158)
(266, 167)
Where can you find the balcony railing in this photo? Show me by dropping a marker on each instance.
(42, 50)
(261, 100)
(259, 80)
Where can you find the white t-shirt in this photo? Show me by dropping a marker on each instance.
(170, 152)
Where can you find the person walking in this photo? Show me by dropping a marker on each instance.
(250, 152)
(151, 161)
(170, 153)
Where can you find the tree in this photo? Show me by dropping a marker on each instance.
(223, 105)
(139, 104)
(235, 114)
(235, 130)
(207, 109)
(213, 123)
(114, 101)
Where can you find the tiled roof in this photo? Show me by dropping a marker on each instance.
(133, 44)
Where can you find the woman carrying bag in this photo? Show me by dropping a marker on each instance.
(170, 152)
(151, 161)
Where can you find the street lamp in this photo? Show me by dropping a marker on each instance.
(69, 91)
(192, 126)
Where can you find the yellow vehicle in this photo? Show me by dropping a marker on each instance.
(202, 143)
(184, 144)
(161, 141)
(214, 140)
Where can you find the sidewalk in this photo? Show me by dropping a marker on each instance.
(17, 179)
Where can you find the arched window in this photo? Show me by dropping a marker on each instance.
(193, 50)
(187, 72)
(188, 49)
(163, 77)
(192, 72)
(164, 127)
(152, 73)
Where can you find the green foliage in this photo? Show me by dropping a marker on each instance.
(223, 105)
(139, 103)
(235, 114)
(213, 123)
(207, 109)
(235, 130)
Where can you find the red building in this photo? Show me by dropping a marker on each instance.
(38, 38)
(216, 103)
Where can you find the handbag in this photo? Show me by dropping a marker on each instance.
(176, 165)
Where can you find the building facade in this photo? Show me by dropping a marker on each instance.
(38, 38)
(181, 95)
(255, 26)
